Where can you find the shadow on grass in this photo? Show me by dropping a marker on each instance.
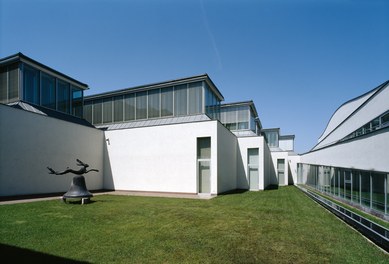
(237, 191)
(20, 255)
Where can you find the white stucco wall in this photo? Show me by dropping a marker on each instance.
(227, 157)
(369, 152)
(30, 142)
(160, 158)
(244, 143)
(281, 155)
(292, 162)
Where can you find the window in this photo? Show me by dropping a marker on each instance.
(107, 110)
(3, 85)
(88, 111)
(118, 109)
(77, 98)
(272, 138)
(31, 85)
(385, 119)
(141, 105)
(129, 107)
(63, 90)
(180, 100)
(195, 98)
(48, 91)
(13, 82)
(167, 101)
(154, 103)
(97, 111)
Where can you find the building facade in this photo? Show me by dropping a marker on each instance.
(351, 159)
(174, 136)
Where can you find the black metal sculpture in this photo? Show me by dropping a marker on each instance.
(78, 187)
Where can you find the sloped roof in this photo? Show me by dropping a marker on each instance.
(347, 110)
(50, 113)
(154, 122)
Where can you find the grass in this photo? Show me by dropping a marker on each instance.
(277, 226)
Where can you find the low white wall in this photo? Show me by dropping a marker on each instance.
(369, 152)
(159, 158)
(30, 142)
(227, 157)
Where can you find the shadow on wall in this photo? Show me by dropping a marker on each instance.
(242, 181)
(108, 182)
(290, 176)
(21, 255)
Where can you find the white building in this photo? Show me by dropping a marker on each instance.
(351, 158)
(172, 136)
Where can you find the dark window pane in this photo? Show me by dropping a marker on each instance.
(77, 97)
(48, 91)
(118, 109)
(141, 105)
(180, 100)
(167, 101)
(63, 96)
(129, 107)
(97, 111)
(13, 82)
(153, 103)
(107, 110)
(195, 98)
(31, 85)
(3, 85)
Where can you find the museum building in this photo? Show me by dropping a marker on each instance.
(174, 136)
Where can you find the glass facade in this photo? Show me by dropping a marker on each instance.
(272, 138)
(375, 124)
(179, 100)
(366, 189)
(21, 81)
(9, 83)
(238, 117)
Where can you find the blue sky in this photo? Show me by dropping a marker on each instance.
(297, 60)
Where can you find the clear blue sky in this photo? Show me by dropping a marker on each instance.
(297, 60)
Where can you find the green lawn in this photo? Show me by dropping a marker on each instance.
(275, 226)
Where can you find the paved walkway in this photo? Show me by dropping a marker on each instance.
(35, 198)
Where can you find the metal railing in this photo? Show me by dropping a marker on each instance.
(373, 231)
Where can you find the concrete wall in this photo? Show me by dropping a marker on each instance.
(30, 142)
(227, 157)
(160, 158)
(368, 152)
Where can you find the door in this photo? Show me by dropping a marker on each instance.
(204, 164)
(252, 167)
(281, 171)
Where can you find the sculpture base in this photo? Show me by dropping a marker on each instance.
(78, 190)
(83, 200)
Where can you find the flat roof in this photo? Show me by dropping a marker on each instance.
(23, 58)
(196, 78)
